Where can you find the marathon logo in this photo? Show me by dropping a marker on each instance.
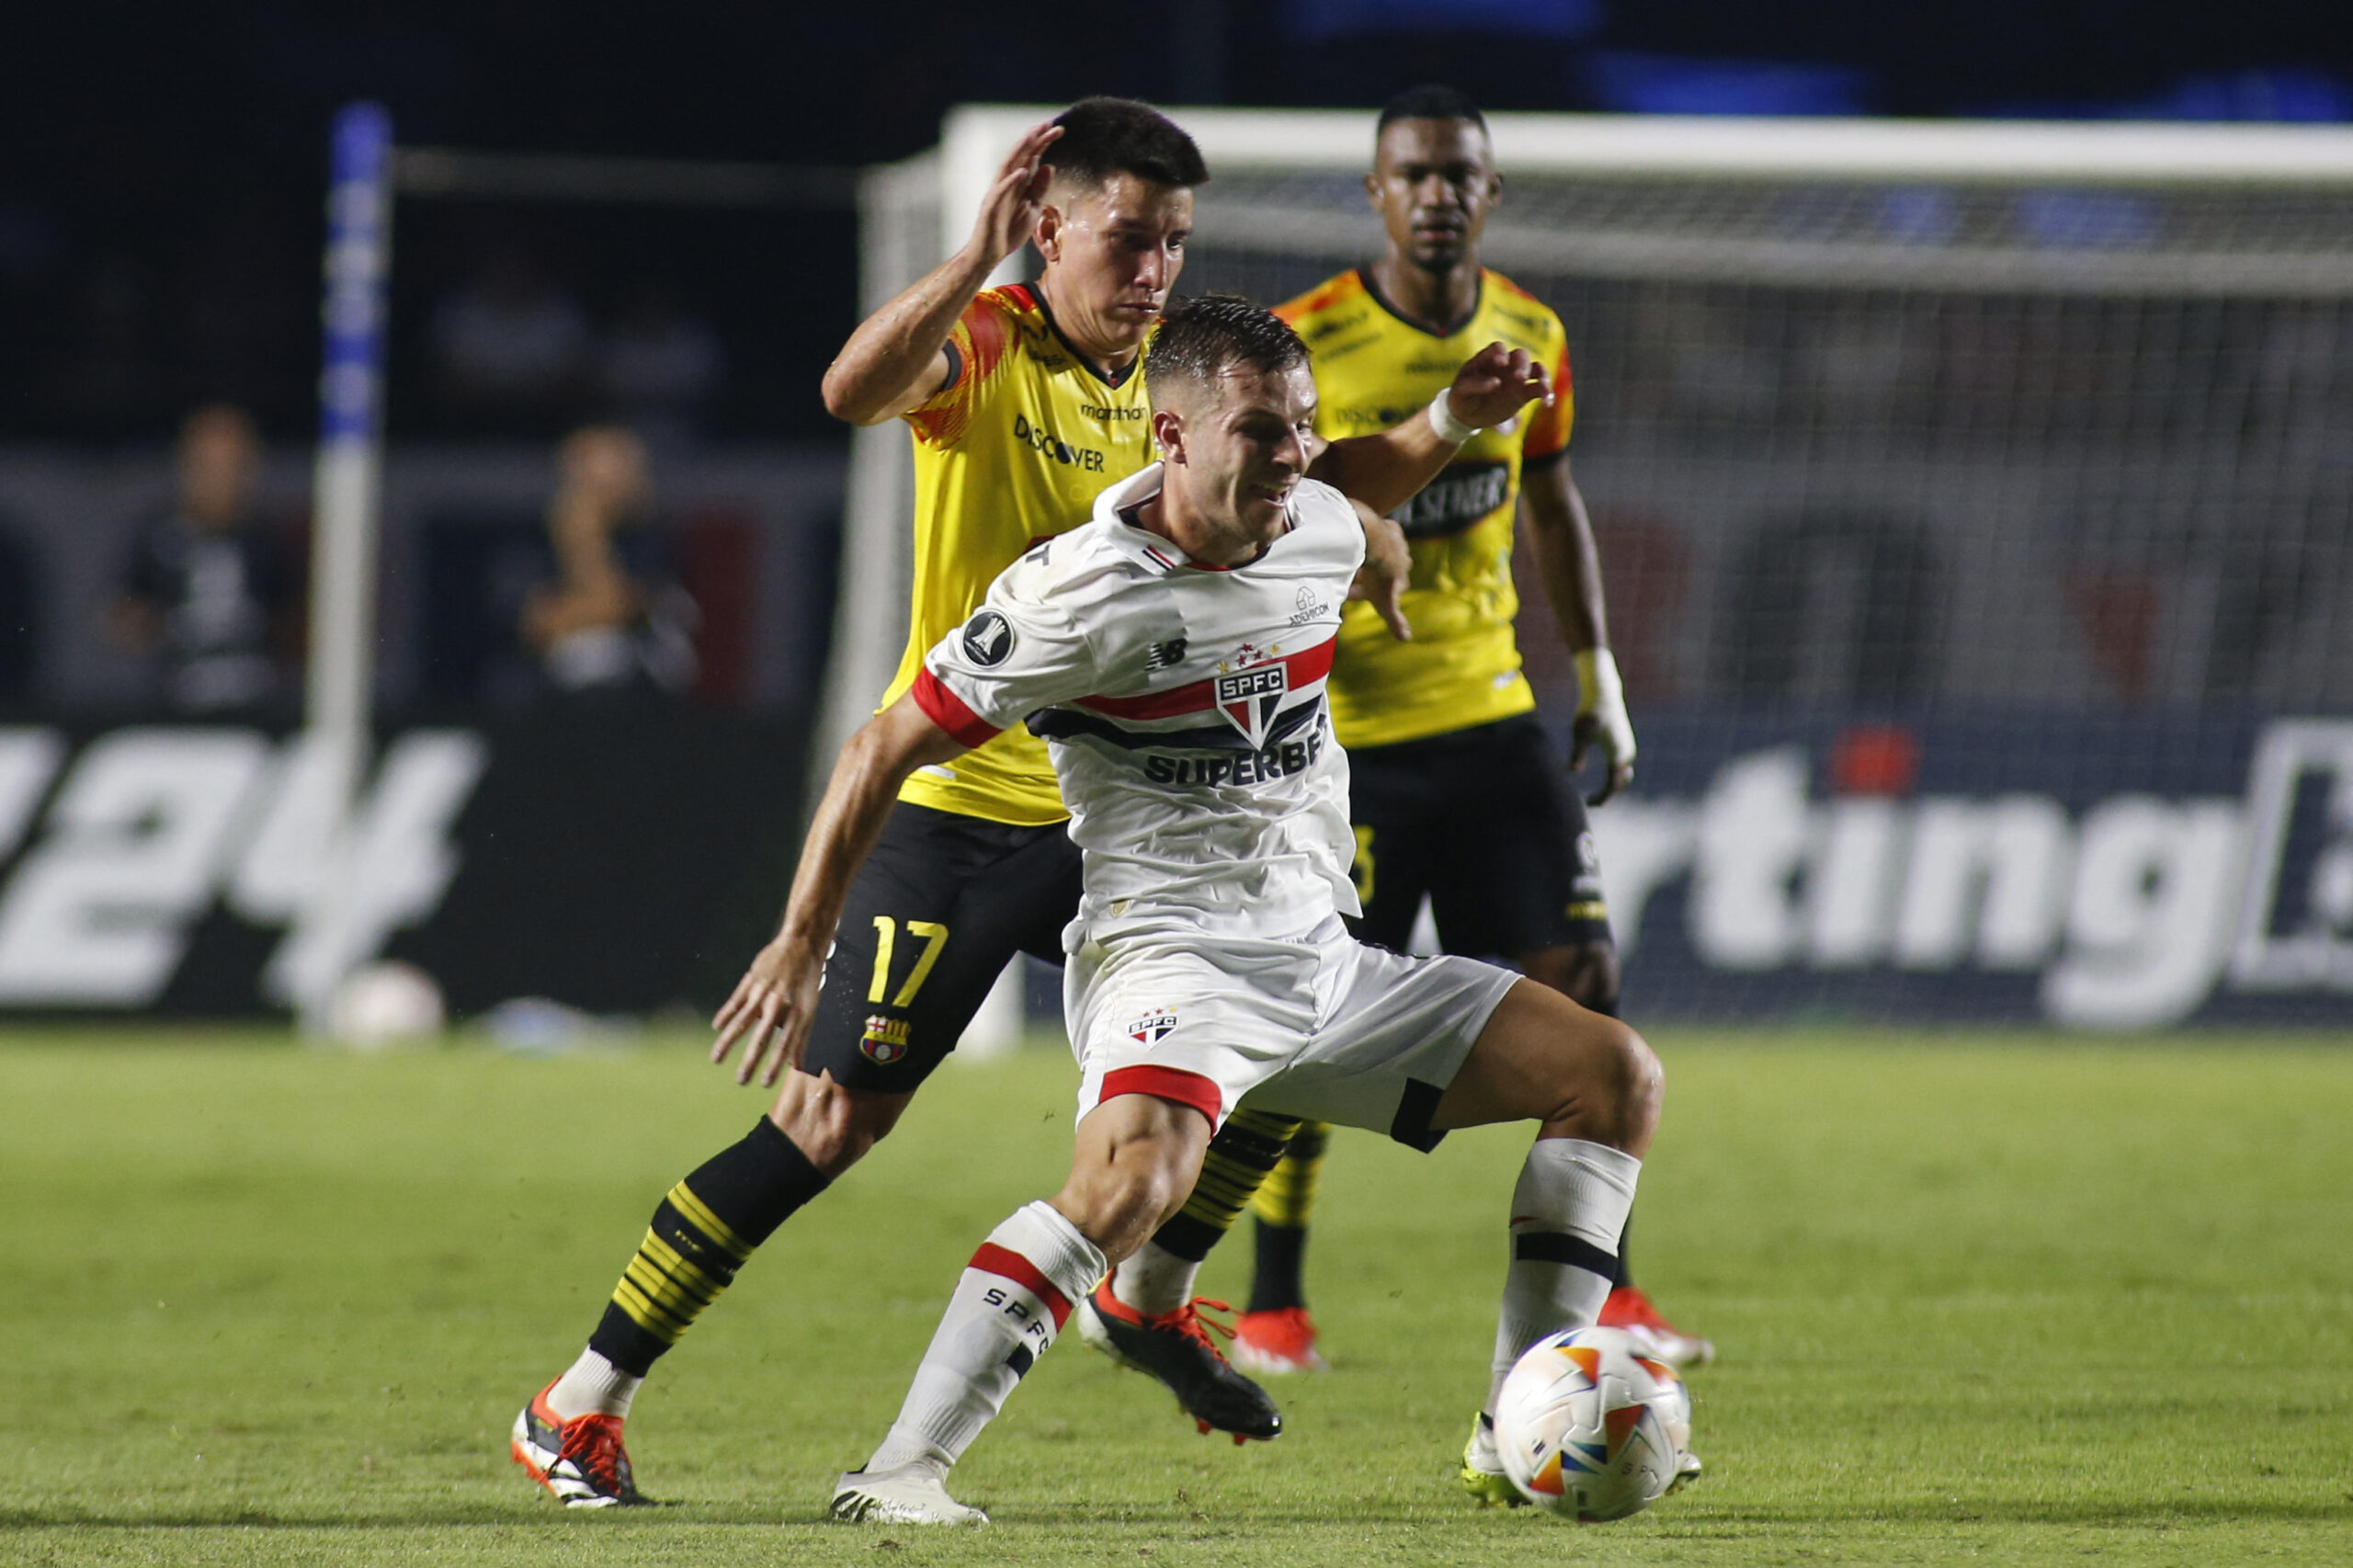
(885, 1039)
(1248, 698)
(1251, 767)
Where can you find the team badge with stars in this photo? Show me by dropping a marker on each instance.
(1249, 696)
(1153, 1025)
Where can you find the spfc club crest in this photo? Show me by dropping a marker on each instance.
(1148, 1029)
(1248, 697)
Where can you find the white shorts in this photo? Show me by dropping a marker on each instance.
(1321, 1026)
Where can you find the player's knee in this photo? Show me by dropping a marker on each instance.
(833, 1126)
(1636, 1087)
(1614, 1093)
(1117, 1205)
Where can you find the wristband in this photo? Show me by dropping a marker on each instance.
(1599, 687)
(1450, 430)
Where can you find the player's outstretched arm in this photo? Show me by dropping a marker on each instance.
(1570, 566)
(768, 1012)
(897, 358)
(1386, 471)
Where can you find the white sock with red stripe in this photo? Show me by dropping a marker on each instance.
(1566, 1213)
(1007, 1309)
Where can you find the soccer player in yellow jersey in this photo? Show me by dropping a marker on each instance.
(1024, 402)
(1456, 792)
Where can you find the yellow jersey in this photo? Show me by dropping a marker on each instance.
(1013, 450)
(1374, 369)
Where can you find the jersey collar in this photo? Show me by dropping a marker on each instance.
(1091, 368)
(1364, 277)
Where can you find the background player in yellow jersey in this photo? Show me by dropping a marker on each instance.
(1023, 401)
(1457, 793)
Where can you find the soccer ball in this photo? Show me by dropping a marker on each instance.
(1591, 1429)
(381, 1004)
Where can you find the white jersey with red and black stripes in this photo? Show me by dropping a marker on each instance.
(1184, 707)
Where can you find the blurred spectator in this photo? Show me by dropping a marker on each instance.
(510, 349)
(615, 621)
(210, 594)
(660, 366)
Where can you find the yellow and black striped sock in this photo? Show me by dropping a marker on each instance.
(702, 1233)
(1283, 1206)
(1247, 1147)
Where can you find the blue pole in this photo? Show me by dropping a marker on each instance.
(346, 501)
(359, 229)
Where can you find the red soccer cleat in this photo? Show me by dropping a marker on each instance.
(1276, 1342)
(1629, 1309)
(580, 1462)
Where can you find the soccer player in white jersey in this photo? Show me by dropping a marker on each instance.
(1173, 652)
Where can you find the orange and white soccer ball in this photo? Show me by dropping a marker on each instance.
(1589, 1427)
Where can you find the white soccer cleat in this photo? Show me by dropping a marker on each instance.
(910, 1494)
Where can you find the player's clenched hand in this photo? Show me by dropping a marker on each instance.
(769, 1011)
(1388, 565)
(1009, 211)
(1495, 384)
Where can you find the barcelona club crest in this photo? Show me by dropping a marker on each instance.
(1148, 1029)
(885, 1039)
(1248, 697)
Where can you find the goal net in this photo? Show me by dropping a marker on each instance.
(1976, 503)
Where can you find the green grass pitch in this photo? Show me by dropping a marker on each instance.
(1985, 1300)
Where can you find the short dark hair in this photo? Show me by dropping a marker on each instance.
(1201, 339)
(1431, 100)
(1102, 137)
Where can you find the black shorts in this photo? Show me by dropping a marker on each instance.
(941, 906)
(1488, 823)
